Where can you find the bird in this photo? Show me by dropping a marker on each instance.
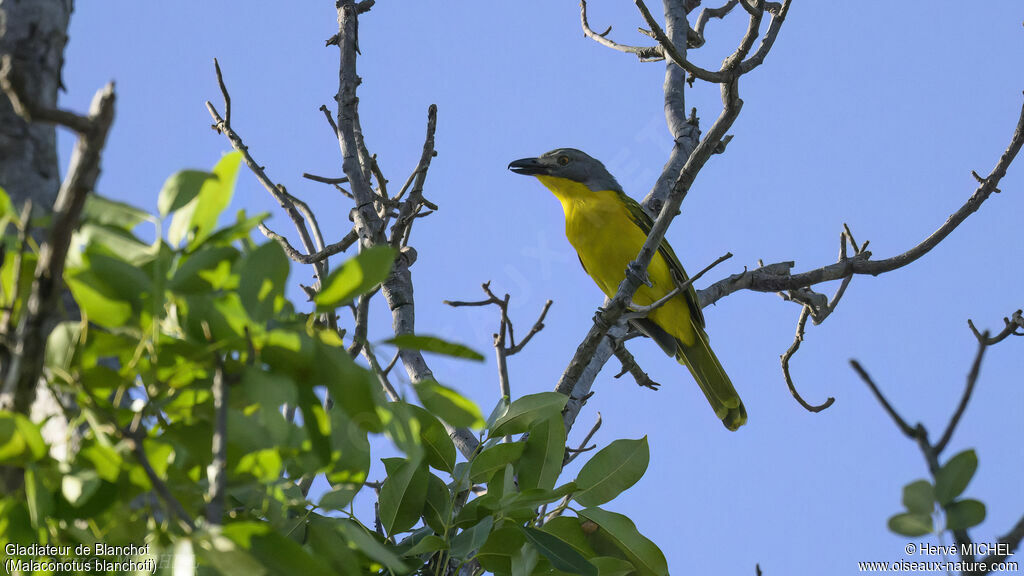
(607, 228)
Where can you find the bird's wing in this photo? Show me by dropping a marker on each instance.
(641, 219)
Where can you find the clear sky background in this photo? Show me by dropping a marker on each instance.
(868, 114)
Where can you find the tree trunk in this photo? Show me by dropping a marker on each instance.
(34, 33)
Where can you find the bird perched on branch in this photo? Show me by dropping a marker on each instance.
(607, 228)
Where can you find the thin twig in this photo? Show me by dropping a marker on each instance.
(900, 422)
(645, 53)
(1014, 325)
(800, 327)
(636, 311)
(630, 366)
(324, 179)
(768, 279)
(972, 378)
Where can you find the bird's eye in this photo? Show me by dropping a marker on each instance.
(563, 160)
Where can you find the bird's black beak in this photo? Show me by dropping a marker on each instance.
(528, 167)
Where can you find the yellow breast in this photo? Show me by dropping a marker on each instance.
(603, 232)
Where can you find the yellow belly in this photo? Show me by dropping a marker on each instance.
(604, 235)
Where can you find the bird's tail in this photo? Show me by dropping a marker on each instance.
(713, 380)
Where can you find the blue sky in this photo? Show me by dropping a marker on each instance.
(873, 117)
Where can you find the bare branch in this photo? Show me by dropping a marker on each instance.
(537, 327)
(972, 378)
(328, 251)
(801, 325)
(630, 366)
(1014, 326)
(285, 200)
(900, 422)
(645, 53)
(642, 311)
(324, 179)
(223, 92)
(708, 13)
(172, 503)
(403, 224)
(769, 279)
(572, 454)
(397, 289)
(669, 49)
(13, 85)
(1012, 539)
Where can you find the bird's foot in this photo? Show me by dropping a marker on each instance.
(639, 274)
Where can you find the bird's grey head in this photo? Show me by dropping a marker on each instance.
(571, 164)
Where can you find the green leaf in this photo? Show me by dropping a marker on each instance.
(263, 275)
(528, 409)
(494, 458)
(280, 555)
(105, 460)
(7, 211)
(115, 240)
(531, 498)
(336, 499)
(643, 553)
(403, 429)
(541, 463)
(316, 424)
(351, 457)
(436, 508)
(471, 539)
(120, 280)
(356, 276)
(435, 345)
(963, 514)
(95, 305)
(611, 566)
(919, 497)
(264, 465)
(495, 555)
(239, 230)
(911, 524)
(525, 562)
(499, 410)
(611, 471)
(62, 343)
(403, 494)
(38, 496)
(204, 270)
(568, 529)
(20, 440)
(953, 477)
(438, 446)
(449, 405)
(355, 389)
(323, 537)
(180, 189)
(363, 541)
(106, 212)
(199, 215)
(561, 555)
(428, 544)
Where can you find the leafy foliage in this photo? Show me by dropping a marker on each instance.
(162, 320)
(923, 500)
